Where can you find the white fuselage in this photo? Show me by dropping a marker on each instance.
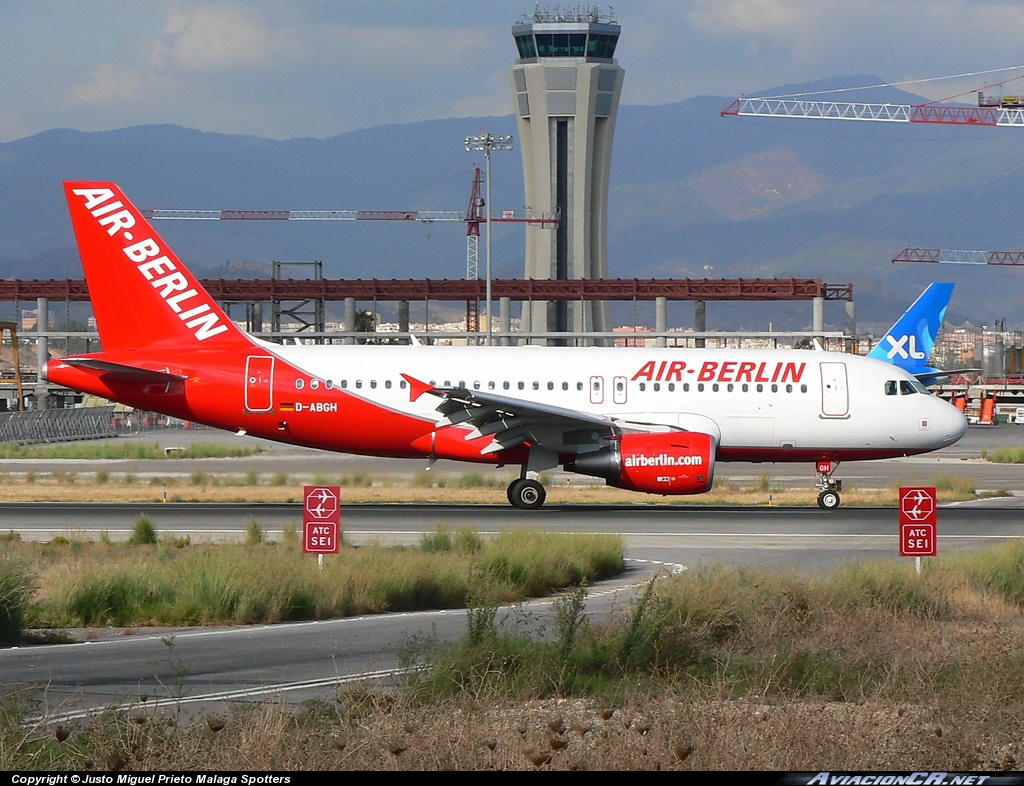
(772, 405)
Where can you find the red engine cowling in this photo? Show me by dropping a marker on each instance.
(677, 462)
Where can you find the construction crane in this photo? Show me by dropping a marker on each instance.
(944, 256)
(937, 113)
(473, 218)
(990, 110)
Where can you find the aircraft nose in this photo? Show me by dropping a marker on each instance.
(950, 422)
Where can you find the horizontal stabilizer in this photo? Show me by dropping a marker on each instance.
(933, 375)
(121, 371)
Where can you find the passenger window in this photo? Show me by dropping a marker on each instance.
(760, 388)
(505, 385)
(656, 386)
(729, 387)
(299, 384)
(387, 384)
(490, 385)
(344, 383)
(565, 386)
(373, 384)
(359, 383)
(522, 385)
(803, 388)
(536, 385)
(551, 386)
(329, 384)
(789, 388)
(314, 384)
(579, 386)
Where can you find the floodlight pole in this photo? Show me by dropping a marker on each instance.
(487, 143)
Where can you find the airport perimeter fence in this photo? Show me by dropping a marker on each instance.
(57, 425)
(93, 422)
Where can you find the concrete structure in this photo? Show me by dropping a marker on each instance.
(566, 85)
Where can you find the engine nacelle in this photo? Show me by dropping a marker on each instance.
(677, 462)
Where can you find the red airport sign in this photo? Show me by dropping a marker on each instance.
(321, 520)
(918, 522)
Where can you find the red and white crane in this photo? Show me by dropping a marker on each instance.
(1001, 110)
(472, 216)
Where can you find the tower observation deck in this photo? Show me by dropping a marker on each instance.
(566, 84)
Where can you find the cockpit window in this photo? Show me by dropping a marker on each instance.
(907, 387)
(890, 387)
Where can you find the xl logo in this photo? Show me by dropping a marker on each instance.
(905, 347)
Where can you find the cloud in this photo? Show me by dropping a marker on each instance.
(218, 38)
(106, 83)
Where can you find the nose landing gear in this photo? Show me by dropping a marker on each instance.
(828, 489)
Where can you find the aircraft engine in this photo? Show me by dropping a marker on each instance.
(677, 462)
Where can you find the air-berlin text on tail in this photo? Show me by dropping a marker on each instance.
(184, 297)
(726, 371)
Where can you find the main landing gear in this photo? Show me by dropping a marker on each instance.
(526, 493)
(828, 496)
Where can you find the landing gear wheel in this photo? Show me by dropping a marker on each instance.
(828, 500)
(526, 494)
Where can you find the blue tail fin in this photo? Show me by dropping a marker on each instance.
(908, 344)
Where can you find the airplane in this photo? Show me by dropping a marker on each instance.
(651, 420)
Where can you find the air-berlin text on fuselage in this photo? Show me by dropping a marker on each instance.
(171, 284)
(725, 371)
(662, 460)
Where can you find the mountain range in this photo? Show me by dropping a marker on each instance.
(694, 195)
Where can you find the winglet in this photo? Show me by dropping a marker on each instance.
(416, 387)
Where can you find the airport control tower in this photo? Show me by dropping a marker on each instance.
(567, 85)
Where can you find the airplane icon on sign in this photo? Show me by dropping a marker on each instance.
(321, 503)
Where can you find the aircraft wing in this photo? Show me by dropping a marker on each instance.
(513, 421)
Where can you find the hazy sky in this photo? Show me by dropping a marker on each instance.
(318, 68)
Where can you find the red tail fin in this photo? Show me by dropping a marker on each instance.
(141, 292)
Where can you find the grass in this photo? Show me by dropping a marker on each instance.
(149, 581)
(872, 667)
(120, 450)
(466, 488)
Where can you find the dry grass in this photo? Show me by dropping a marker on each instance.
(930, 694)
(62, 487)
